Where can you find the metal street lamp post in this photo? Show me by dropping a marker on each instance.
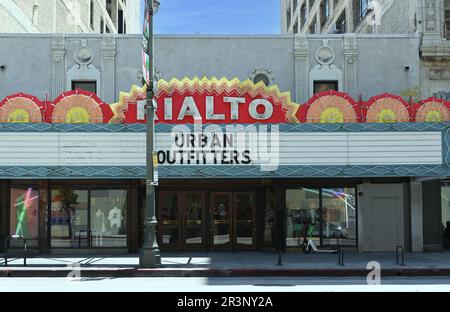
(149, 254)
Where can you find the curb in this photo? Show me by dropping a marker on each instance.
(137, 272)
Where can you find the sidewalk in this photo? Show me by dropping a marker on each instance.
(213, 264)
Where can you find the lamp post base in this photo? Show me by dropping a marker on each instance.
(149, 255)
(149, 258)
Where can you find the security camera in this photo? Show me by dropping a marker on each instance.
(407, 67)
(2, 67)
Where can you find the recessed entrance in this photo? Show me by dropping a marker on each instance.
(206, 220)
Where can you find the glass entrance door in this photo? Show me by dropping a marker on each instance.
(181, 220)
(243, 220)
(169, 225)
(194, 224)
(221, 221)
(232, 221)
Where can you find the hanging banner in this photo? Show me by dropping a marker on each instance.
(147, 45)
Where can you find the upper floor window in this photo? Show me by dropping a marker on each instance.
(447, 18)
(363, 8)
(86, 85)
(303, 15)
(360, 10)
(109, 7)
(295, 28)
(323, 86)
(91, 17)
(120, 16)
(288, 17)
(341, 24)
(313, 27)
(325, 11)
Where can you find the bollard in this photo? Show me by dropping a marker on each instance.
(341, 256)
(280, 262)
(397, 255)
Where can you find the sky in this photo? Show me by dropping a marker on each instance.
(230, 17)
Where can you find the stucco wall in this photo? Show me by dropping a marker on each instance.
(380, 63)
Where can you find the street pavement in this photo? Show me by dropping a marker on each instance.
(224, 285)
(228, 264)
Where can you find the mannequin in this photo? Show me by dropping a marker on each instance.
(115, 219)
(99, 227)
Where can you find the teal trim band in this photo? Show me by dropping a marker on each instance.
(349, 127)
(179, 172)
(61, 127)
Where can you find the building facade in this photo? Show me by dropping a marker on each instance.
(349, 16)
(70, 16)
(345, 153)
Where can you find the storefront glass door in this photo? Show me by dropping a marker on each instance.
(232, 220)
(181, 220)
(194, 225)
(169, 220)
(243, 220)
(221, 220)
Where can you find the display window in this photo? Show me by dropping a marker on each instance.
(24, 214)
(82, 218)
(327, 215)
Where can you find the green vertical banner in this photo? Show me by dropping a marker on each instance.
(147, 45)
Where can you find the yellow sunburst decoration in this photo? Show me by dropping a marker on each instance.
(432, 110)
(21, 108)
(77, 115)
(386, 115)
(19, 115)
(331, 115)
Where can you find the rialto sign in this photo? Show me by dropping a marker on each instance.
(214, 109)
(211, 101)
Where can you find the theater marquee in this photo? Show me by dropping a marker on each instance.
(230, 126)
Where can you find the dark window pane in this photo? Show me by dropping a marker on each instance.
(90, 86)
(322, 86)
